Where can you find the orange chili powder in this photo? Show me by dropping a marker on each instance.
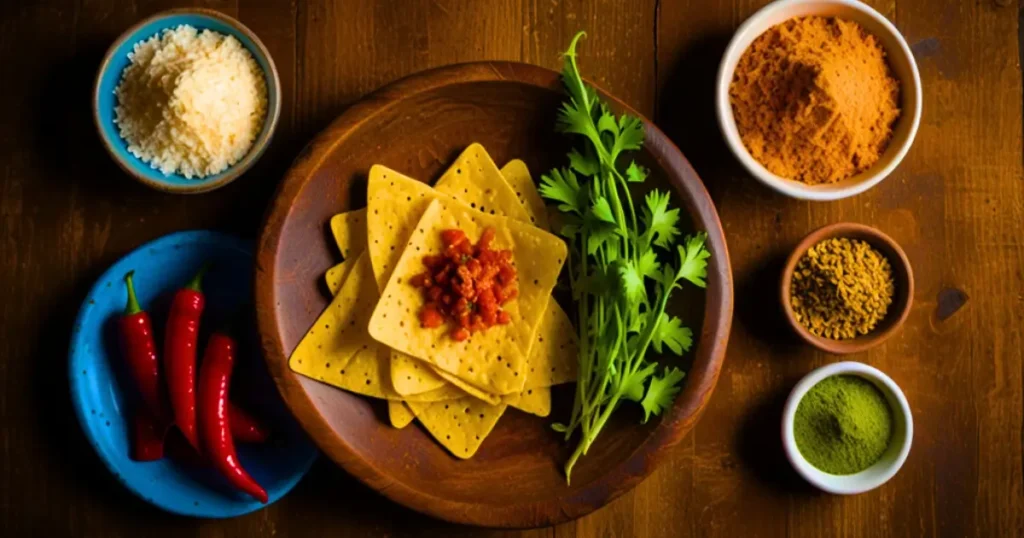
(815, 100)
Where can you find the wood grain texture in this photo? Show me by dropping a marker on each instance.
(955, 204)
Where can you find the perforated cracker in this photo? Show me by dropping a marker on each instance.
(492, 360)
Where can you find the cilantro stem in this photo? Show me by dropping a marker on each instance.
(617, 276)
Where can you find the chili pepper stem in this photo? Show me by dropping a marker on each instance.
(132, 307)
(196, 284)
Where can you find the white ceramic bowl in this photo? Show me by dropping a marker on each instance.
(892, 459)
(901, 60)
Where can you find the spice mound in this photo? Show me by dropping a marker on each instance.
(467, 284)
(815, 100)
(841, 288)
(843, 425)
(190, 102)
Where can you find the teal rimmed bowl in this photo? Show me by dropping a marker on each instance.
(114, 63)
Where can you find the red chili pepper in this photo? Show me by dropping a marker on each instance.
(215, 418)
(180, 354)
(147, 436)
(244, 427)
(139, 349)
(181, 452)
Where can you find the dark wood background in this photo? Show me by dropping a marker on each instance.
(956, 204)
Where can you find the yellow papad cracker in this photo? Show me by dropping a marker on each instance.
(533, 401)
(474, 180)
(349, 230)
(552, 359)
(336, 275)
(340, 331)
(518, 177)
(547, 347)
(399, 414)
(413, 376)
(492, 399)
(367, 373)
(492, 360)
(459, 425)
(552, 356)
(363, 374)
(395, 204)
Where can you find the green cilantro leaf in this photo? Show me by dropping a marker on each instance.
(574, 118)
(631, 281)
(636, 173)
(661, 391)
(633, 385)
(570, 231)
(670, 332)
(599, 235)
(606, 122)
(603, 210)
(561, 186)
(693, 260)
(630, 137)
(618, 284)
(648, 265)
(659, 220)
(585, 165)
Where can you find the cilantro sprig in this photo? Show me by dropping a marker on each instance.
(623, 265)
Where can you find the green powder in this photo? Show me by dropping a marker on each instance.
(843, 425)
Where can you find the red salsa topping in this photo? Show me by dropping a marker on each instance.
(467, 284)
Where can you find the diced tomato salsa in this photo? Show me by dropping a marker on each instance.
(467, 284)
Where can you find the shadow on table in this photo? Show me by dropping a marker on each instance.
(331, 496)
(758, 306)
(686, 112)
(760, 449)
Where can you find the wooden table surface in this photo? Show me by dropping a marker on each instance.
(956, 204)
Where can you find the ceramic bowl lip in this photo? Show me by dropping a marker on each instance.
(847, 484)
(259, 145)
(894, 154)
(903, 274)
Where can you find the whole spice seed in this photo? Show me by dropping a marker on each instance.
(841, 288)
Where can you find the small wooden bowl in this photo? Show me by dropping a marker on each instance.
(902, 274)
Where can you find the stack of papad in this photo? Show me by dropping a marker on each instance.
(369, 339)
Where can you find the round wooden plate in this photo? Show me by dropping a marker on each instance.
(417, 126)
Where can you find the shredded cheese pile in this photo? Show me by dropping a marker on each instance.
(191, 102)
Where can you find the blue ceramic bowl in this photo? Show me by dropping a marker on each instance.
(97, 378)
(114, 64)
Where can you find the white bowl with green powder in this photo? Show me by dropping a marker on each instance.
(847, 428)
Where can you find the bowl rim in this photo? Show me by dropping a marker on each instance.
(811, 473)
(669, 431)
(792, 188)
(259, 145)
(901, 265)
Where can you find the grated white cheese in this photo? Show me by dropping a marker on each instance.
(191, 102)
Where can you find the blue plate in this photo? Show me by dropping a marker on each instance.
(161, 267)
(114, 64)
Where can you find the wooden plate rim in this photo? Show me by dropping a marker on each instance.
(708, 357)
